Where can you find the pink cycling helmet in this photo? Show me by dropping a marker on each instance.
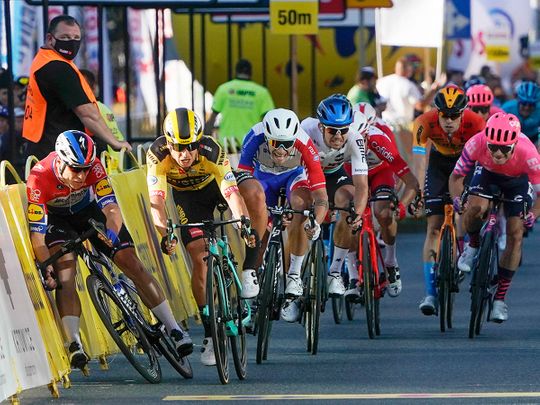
(503, 129)
(480, 95)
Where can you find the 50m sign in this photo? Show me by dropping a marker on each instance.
(294, 17)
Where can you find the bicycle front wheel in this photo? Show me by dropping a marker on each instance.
(338, 303)
(368, 281)
(124, 329)
(238, 340)
(314, 294)
(217, 305)
(180, 364)
(444, 279)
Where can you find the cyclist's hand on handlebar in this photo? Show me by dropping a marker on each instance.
(457, 203)
(529, 220)
(312, 232)
(355, 222)
(48, 278)
(415, 208)
(168, 244)
(249, 234)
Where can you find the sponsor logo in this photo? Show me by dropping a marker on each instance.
(35, 194)
(98, 171)
(157, 193)
(36, 213)
(382, 151)
(37, 228)
(103, 188)
(152, 180)
(181, 215)
(195, 232)
(229, 176)
(342, 178)
(107, 201)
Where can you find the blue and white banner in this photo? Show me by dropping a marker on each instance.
(458, 19)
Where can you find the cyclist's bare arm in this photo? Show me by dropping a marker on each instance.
(455, 185)
(159, 215)
(237, 205)
(361, 191)
(419, 167)
(412, 188)
(40, 248)
(320, 201)
(114, 217)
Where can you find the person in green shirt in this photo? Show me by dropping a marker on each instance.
(242, 103)
(364, 91)
(105, 112)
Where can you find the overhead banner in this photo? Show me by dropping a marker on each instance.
(406, 24)
(294, 17)
(458, 19)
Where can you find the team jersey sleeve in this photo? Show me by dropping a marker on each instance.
(251, 144)
(156, 174)
(225, 177)
(533, 170)
(36, 212)
(420, 136)
(468, 157)
(101, 185)
(312, 161)
(383, 146)
(358, 157)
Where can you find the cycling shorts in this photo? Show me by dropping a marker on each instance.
(439, 169)
(64, 227)
(195, 206)
(336, 180)
(290, 181)
(381, 179)
(512, 188)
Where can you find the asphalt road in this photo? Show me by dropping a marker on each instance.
(412, 361)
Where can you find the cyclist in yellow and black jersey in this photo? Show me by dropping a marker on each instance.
(201, 177)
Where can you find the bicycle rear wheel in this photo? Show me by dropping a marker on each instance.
(124, 329)
(216, 301)
(238, 341)
(368, 281)
(265, 309)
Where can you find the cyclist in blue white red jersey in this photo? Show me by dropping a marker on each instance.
(278, 153)
(337, 144)
(65, 190)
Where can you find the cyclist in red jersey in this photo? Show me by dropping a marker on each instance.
(64, 191)
(447, 128)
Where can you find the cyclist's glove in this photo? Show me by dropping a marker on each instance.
(456, 202)
(246, 231)
(166, 242)
(529, 220)
(316, 229)
(113, 237)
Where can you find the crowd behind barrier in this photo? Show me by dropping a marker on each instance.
(32, 344)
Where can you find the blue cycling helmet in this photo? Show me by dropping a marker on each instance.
(473, 81)
(335, 111)
(528, 92)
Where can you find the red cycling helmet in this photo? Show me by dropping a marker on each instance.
(480, 95)
(503, 129)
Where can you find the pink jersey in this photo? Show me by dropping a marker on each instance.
(524, 160)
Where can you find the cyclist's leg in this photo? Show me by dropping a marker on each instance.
(67, 298)
(473, 216)
(517, 190)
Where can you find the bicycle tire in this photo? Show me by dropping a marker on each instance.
(338, 303)
(315, 294)
(443, 278)
(368, 285)
(266, 305)
(118, 322)
(488, 276)
(480, 284)
(238, 343)
(180, 364)
(215, 299)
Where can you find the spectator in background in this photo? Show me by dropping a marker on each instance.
(365, 90)
(4, 133)
(241, 102)
(106, 112)
(4, 88)
(58, 97)
(403, 97)
(19, 91)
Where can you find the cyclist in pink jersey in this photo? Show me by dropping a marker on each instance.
(481, 101)
(506, 158)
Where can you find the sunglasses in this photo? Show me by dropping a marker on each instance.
(505, 149)
(481, 109)
(337, 131)
(527, 105)
(452, 117)
(276, 144)
(79, 169)
(180, 148)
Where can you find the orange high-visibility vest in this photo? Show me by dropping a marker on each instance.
(36, 106)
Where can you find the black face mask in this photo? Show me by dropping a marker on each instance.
(67, 48)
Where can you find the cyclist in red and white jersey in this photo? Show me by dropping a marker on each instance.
(504, 157)
(384, 163)
(64, 191)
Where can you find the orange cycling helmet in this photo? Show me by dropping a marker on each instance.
(451, 100)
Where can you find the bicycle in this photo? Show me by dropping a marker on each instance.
(445, 267)
(313, 302)
(227, 311)
(371, 269)
(486, 263)
(116, 302)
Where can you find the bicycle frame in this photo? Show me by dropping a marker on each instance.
(448, 223)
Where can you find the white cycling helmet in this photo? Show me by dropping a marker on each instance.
(368, 110)
(281, 125)
(360, 122)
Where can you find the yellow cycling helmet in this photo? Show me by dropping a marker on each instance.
(451, 100)
(182, 127)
